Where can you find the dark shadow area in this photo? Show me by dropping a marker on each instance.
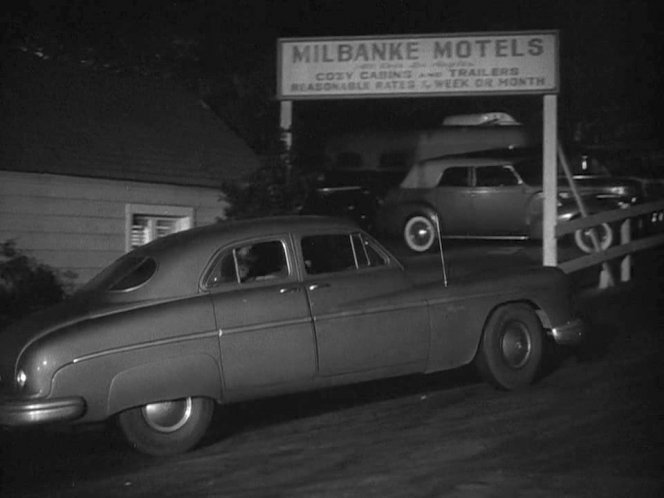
(36, 459)
(247, 416)
(623, 320)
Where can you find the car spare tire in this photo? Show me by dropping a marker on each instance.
(583, 238)
(419, 233)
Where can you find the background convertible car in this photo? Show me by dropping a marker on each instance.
(492, 195)
(240, 310)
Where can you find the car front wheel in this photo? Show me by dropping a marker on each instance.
(167, 427)
(511, 348)
(419, 233)
(583, 238)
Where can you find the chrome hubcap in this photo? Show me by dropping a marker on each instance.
(516, 345)
(420, 234)
(168, 416)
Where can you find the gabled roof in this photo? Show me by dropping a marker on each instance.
(71, 120)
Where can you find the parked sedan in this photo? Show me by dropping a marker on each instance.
(350, 201)
(242, 310)
(474, 196)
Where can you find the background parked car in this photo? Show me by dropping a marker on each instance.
(491, 195)
(354, 202)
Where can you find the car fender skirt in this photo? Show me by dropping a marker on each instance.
(18, 412)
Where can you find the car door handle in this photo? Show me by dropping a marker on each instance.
(288, 290)
(313, 287)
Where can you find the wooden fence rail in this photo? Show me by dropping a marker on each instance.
(627, 246)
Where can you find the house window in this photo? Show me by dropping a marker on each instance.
(145, 223)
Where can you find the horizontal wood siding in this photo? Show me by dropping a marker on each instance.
(77, 225)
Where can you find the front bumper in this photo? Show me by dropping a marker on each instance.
(17, 411)
(569, 334)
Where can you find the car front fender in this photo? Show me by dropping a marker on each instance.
(411, 209)
(391, 219)
(166, 379)
(113, 381)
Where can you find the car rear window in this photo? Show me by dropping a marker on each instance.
(138, 275)
(124, 274)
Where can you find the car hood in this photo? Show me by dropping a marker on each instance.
(607, 185)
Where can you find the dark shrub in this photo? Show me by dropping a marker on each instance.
(25, 284)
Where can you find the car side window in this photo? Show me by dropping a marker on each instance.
(366, 254)
(340, 252)
(249, 263)
(455, 177)
(327, 253)
(495, 176)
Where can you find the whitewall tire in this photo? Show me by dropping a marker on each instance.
(419, 233)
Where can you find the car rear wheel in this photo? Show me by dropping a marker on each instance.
(511, 348)
(167, 427)
(583, 239)
(419, 233)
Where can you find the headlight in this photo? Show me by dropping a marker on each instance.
(21, 379)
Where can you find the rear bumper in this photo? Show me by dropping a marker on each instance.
(569, 334)
(17, 412)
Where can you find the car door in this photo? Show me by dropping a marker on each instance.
(499, 202)
(265, 329)
(364, 321)
(454, 201)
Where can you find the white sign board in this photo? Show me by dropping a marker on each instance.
(418, 65)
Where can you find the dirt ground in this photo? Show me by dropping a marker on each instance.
(593, 426)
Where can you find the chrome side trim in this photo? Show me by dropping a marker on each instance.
(144, 345)
(370, 311)
(262, 326)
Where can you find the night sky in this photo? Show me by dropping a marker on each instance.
(611, 50)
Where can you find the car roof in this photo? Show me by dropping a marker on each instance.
(186, 254)
(227, 231)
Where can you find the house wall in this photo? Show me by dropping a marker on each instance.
(79, 225)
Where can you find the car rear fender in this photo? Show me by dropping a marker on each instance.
(566, 210)
(542, 315)
(450, 349)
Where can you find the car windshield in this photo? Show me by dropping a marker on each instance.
(124, 274)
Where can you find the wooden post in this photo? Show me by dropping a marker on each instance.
(626, 263)
(550, 182)
(285, 125)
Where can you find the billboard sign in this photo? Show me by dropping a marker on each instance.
(418, 65)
